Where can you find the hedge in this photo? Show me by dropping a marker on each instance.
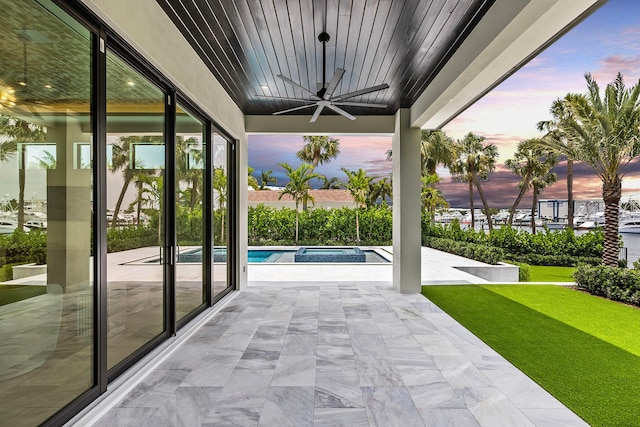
(555, 260)
(614, 283)
(483, 253)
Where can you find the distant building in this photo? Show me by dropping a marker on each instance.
(334, 199)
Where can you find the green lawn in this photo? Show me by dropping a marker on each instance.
(547, 273)
(582, 349)
(13, 293)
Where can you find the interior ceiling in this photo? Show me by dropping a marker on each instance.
(247, 43)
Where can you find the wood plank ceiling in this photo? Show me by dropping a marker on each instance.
(248, 43)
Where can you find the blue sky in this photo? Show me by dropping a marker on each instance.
(606, 43)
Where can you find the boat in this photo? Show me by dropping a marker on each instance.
(629, 225)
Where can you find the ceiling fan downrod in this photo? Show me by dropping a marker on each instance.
(324, 38)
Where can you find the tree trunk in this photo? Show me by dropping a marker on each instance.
(125, 186)
(570, 193)
(473, 214)
(487, 212)
(297, 223)
(21, 182)
(523, 190)
(357, 226)
(611, 193)
(533, 209)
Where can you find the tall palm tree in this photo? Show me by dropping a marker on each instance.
(319, 150)
(220, 187)
(435, 148)
(539, 181)
(380, 190)
(473, 163)
(358, 186)
(20, 131)
(604, 133)
(266, 178)
(560, 112)
(298, 186)
(531, 160)
(430, 196)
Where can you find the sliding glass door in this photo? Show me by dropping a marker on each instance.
(190, 214)
(135, 194)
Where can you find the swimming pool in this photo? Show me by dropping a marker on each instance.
(275, 255)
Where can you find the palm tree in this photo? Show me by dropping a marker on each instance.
(430, 196)
(220, 187)
(380, 190)
(605, 135)
(319, 150)
(330, 183)
(266, 178)
(251, 180)
(358, 186)
(531, 161)
(474, 161)
(189, 169)
(541, 180)
(435, 148)
(298, 186)
(560, 112)
(21, 131)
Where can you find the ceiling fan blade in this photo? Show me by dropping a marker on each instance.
(304, 89)
(280, 98)
(293, 109)
(337, 76)
(360, 92)
(341, 112)
(360, 104)
(316, 114)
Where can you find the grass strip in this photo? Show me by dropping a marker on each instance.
(550, 273)
(597, 380)
(611, 321)
(14, 293)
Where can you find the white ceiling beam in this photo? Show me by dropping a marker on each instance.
(510, 34)
(326, 124)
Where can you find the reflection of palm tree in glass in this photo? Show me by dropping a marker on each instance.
(151, 197)
(122, 155)
(47, 161)
(220, 187)
(189, 170)
(20, 131)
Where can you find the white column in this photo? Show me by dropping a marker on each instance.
(242, 162)
(406, 205)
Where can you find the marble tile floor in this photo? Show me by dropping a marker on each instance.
(335, 354)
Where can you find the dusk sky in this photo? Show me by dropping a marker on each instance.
(604, 44)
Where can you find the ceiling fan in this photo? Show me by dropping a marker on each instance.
(325, 97)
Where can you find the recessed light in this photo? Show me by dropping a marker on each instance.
(130, 83)
(264, 87)
(47, 86)
(11, 91)
(22, 83)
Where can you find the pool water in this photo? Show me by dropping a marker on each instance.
(272, 255)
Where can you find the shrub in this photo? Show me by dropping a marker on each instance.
(482, 253)
(131, 237)
(22, 247)
(524, 272)
(636, 264)
(614, 283)
(554, 260)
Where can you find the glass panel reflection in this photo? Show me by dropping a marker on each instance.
(220, 214)
(46, 244)
(190, 162)
(135, 202)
